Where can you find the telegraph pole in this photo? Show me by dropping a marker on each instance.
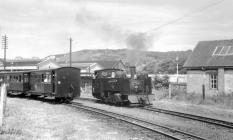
(70, 51)
(4, 46)
(177, 69)
(177, 65)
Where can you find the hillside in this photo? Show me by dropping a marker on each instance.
(146, 61)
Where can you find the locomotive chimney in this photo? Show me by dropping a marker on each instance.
(132, 71)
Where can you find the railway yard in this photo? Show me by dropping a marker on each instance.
(87, 118)
(135, 70)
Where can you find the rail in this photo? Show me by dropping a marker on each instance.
(193, 117)
(157, 128)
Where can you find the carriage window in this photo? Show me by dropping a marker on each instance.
(16, 79)
(1, 79)
(20, 78)
(42, 77)
(26, 78)
(47, 78)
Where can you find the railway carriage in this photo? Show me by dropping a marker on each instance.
(113, 86)
(17, 81)
(61, 83)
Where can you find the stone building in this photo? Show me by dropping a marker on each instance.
(210, 68)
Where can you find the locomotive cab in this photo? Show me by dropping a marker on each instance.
(113, 86)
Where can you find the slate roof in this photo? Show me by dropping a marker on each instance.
(202, 55)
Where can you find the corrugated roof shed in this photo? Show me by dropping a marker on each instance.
(78, 65)
(22, 63)
(104, 64)
(202, 55)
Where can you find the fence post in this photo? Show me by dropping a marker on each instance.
(170, 90)
(203, 92)
(2, 103)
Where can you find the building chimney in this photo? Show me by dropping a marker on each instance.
(132, 71)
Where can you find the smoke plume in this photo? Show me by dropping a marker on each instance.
(101, 26)
(136, 42)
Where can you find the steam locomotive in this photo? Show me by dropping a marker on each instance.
(63, 83)
(114, 87)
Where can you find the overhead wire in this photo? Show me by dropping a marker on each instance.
(186, 15)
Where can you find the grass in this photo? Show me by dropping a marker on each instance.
(179, 94)
(10, 131)
(222, 100)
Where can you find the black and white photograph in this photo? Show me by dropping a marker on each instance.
(116, 70)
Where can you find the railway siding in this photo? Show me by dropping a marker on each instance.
(200, 110)
(192, 117)
(194, 127)
(160, 129)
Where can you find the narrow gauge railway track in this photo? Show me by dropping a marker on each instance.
(213, 121)
(164, 130)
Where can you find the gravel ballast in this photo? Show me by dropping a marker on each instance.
(199, 128)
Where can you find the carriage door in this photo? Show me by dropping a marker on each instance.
(26, 82)
(53, 81)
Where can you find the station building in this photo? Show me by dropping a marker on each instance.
(210, 68)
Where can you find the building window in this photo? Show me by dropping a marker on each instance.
(213, 81)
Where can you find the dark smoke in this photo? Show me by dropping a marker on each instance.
(136, 42)
(139, 41)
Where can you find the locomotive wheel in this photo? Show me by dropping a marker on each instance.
(34, 96)
(58, 100)
(22, 95)
(67, 100)
(119, 103)
(63, 100)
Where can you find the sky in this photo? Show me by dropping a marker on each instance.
(38, 28)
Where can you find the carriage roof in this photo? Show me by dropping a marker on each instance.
(44, 70)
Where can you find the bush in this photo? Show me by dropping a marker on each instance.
(160, 82)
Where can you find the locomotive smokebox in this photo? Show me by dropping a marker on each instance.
(132, 71)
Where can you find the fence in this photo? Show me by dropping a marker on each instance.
(177, 88)
(2, 103)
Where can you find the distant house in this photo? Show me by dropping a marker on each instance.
(19, 65)
(210, 67)
(48, 64)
